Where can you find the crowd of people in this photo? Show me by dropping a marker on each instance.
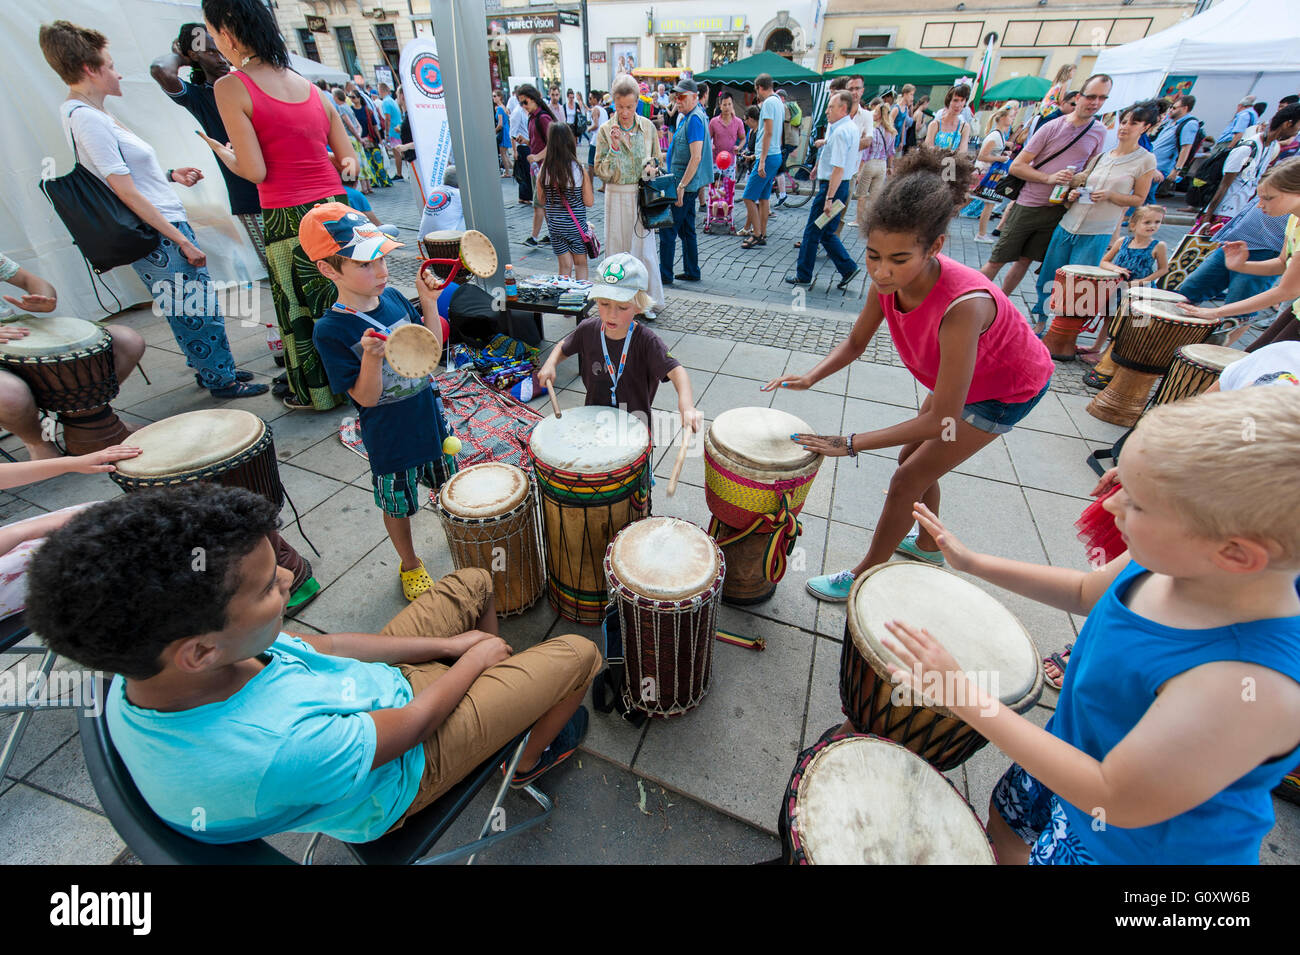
(214, 705)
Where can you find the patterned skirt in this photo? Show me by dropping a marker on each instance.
(373, 159)
(301, 295)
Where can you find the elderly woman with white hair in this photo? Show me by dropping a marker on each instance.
(627, 151)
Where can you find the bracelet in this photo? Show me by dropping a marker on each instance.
(169, 175)
(852, 452)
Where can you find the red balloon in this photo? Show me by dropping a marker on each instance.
(724, 160)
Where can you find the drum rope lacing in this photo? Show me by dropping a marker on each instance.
(782, 524)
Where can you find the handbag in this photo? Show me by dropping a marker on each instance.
(589, 240)
(102, 226)
(988, 187)
(1009, 187)
(656, 198)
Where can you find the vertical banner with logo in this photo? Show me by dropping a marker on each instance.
(426, 105)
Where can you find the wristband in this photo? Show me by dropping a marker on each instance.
(169, 175)
(852, 452)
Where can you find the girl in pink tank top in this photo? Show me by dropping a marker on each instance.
(958, 335)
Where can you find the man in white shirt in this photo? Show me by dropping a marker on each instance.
(513, 101)
(861, 117)
(836, 164)
(1247, 162)
(519, 136)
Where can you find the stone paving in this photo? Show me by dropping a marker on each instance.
(704, 787)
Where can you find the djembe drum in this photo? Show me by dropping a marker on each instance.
(593, 474)
(862, 800)
(68, 365)
(216, 446)
(1140, 293)
(665, 577)
(1080, 294)
(446, 250)
(489, 514)
(984, 638)
(1152, 335)
(1194, 369)
(755, 483)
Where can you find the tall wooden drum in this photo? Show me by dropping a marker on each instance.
(593, 474)
(665, 577)
(755, 482)
(1139, 293)
(985, 639)
(1194, 369)
(489, 514)
(1080, 294)
(68, 365)
(862, 800)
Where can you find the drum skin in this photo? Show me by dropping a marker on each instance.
(982, 634)
(861, 800)
(489, 516)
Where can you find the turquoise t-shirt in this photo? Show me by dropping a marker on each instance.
(772, 108)
(1118, 663)
(290, 752)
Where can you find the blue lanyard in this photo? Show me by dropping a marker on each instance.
(609, 365)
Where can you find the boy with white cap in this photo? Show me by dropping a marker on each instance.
(622, 361)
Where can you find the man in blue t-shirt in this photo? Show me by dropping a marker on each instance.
(392, 119)
(767, 159)
(692, 166)
(1239, 125)
(233, 729)
(1173, 147)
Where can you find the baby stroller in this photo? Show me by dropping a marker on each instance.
(722, 200)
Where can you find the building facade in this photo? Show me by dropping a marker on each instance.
(352, 36)
(1031, 37)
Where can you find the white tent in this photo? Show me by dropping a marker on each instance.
(1235, 48)
(315, 71)
(32, 145)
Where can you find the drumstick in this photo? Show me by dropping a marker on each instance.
(677, 465)
(554, 404)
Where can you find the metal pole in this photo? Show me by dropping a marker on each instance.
(460, 27)
(586, 52)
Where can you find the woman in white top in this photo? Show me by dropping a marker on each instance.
(174, 273)
(1116, 180)
(995, 148)
(596, 115)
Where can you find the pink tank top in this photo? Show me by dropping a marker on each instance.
(1011, 364)
(294, 138)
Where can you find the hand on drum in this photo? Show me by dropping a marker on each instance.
(11, 333)
(33, 303)
(793, 382)
(830, 445)
(953, 550)
(101, 462)
(1195, 311)
(928, 668)
(1105, 483)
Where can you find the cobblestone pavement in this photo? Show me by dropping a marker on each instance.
(742, 295)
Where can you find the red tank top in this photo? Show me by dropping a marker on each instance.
(1011, 364)
(294, 138)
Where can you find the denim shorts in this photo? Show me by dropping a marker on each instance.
(999, 417)
(758, 188)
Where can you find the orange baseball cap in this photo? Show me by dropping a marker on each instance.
(332, 228)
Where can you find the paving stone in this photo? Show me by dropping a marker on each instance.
(697, 351)
(821, 411)
(39, 829)
(47, 730)
(803, 362)
(1051, 462)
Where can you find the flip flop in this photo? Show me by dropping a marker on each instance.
(1061, 660)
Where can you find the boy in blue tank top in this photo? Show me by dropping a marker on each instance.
(1180, 709)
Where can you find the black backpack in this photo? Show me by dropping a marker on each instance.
(1206, 182)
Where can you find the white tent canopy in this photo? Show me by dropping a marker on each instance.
(315, 71)
(1235, 48)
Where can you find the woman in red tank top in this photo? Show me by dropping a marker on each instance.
(286, 137)
(958, 335)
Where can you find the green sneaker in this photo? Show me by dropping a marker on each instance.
(909, 548)
(833, 587)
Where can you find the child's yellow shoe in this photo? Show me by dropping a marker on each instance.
(415, 582)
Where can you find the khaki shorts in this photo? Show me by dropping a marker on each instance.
(503, 702)
(1026, 233)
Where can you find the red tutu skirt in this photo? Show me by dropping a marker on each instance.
(1097, 531)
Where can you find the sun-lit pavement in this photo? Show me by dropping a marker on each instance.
(704, 787)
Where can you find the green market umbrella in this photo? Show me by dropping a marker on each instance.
(1026, 89)
(742, 72)
(903, 66)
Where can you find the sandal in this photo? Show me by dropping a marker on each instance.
(1059, 660)
(415, 582)
(1096, 381)
(750, 242)
(749, 231)
(762, 240)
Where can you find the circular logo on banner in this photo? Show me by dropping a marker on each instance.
(439, 199)
(426, 75)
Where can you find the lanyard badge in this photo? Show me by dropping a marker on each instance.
(609, 365)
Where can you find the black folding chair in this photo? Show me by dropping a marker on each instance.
(15, 630)
(157, 843)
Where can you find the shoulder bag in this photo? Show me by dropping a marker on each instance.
(1009, 186)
